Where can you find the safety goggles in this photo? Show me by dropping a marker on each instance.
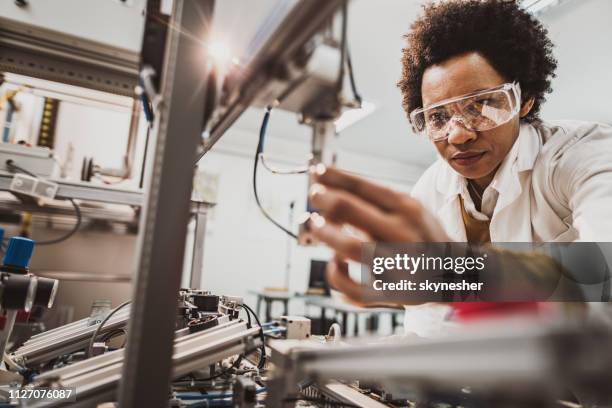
(477, 111)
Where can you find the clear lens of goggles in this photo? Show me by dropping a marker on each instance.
(479, 111)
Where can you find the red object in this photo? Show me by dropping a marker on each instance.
(22, 317)
(466, 311)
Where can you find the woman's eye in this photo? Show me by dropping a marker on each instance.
(437, 118)
(479, 103)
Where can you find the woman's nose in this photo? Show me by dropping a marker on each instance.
(458, 133)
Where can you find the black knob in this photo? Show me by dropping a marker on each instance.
(45, 292)
(18, 291)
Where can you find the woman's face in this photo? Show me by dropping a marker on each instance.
(473, 154)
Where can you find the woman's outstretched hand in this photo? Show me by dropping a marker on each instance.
(375, 212)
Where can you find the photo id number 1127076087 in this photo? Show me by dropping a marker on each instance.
(42, 394)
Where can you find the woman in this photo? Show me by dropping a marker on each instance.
(474, 76)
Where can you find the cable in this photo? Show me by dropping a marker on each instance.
(262, 361)
(10, 363)
(97, 331)
(345, 57)
(349, 65)
(10, 163)
(223, 372)
(75, 228)
(343, 45)
(260, 146)
(213, 395)
(240, 357)
(327, 403)
(144, 157)
(278, 170)
(77, 210)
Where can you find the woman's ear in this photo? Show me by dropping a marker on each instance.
(526, 108)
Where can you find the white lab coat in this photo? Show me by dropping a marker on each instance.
(555, 185)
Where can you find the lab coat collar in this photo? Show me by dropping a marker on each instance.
(522, 157)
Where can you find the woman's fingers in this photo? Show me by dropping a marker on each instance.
(339, 206)
(383, 197)
(339, 279)
(334, 236)
(383, 213)
(337, 275)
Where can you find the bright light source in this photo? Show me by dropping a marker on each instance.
(221, 54)
(353, 116)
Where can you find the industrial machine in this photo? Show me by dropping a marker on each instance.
(20, 291)
(208, 331)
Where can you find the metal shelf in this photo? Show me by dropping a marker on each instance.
(86, 191)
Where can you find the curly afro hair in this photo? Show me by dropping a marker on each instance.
(512, 40)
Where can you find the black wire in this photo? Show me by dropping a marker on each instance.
(75, 228)
(262, 360)
(240, 357)
(101, 324)
(223, 372)
(77, 210)
(10, 163)
(326, 402)
(343, 44)
(349, 64)
(248, 318)
(346, 57)
(144, 157)
(260, 146)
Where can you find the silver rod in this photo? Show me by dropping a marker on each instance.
(165, 217)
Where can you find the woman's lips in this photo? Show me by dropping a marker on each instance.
(468, 158)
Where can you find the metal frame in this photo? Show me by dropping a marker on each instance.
(42, 53)
(520, 357)
(296, 28)
(95, 380)
(63, 340)
(200, 214)
(85, 191)
(164, 222)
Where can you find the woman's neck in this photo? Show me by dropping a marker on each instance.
(482, 183)
(478, 186)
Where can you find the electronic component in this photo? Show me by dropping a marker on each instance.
(296, 327)
(52, 344)
(33, 187)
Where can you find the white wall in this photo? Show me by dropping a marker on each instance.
(582, 34)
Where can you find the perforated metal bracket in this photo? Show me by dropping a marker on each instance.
(33, 187)
(41, 53)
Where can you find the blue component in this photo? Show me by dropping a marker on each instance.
(1, 234)
(18, 252)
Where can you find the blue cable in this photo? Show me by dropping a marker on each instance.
(260, 149)
(192, 396)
